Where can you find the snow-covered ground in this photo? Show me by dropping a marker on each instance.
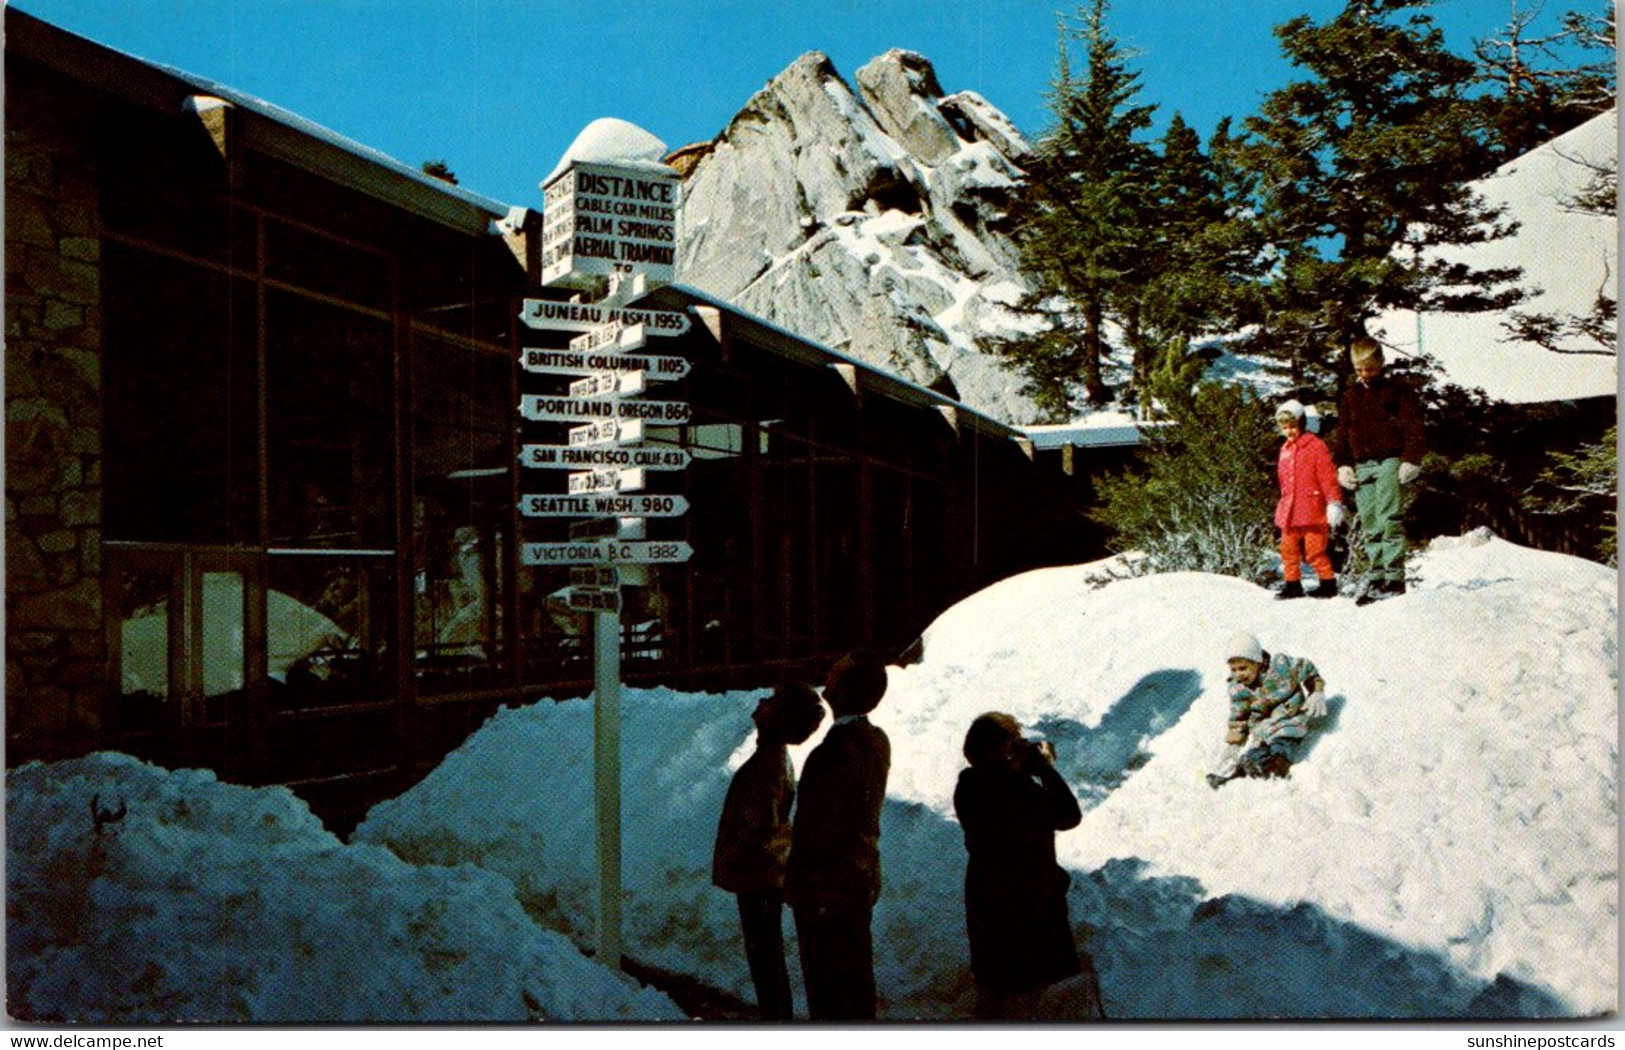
(208, 902)
(1446, 848)
(1567, 257)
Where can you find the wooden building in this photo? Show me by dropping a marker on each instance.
(262, 460)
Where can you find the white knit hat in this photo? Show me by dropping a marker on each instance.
(1292, 408)
(1245, 647)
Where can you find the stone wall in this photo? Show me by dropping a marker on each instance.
(55, 641)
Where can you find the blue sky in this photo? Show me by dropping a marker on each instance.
(498, 88)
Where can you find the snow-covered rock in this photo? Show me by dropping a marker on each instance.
(1445, 848)
(1567, 256)
(870, 221)
(197, 901)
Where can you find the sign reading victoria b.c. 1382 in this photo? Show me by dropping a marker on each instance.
(599, 219)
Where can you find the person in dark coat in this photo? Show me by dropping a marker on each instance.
(753, 838)
(833, 879)
(1378, 447)
(1010, 803)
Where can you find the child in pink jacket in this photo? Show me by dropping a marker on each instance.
(1309, 507)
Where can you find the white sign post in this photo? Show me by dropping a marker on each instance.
(609, 210)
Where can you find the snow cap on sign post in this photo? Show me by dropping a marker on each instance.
(610, 209)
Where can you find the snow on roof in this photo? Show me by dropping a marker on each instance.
(1570, 256)
(1103, 429)
(615, 142)
(293, 120)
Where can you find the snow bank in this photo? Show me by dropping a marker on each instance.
(610, 140)
(1567, 257)
(1445, 849)
(208, 902)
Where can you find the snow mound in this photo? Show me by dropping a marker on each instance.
(1567, 256)
(1445, 847)
(610, 140)
(207, 902)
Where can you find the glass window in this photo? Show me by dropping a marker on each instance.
(328, 623)
(330, 426)
(182, 419)
(463, 504)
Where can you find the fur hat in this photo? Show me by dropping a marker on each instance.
(1244, 646)
(1364, 348)
(1293, 408)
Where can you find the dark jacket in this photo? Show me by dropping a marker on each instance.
(1015, 893)
(753, 836)
(1378, 420)
(835, 845)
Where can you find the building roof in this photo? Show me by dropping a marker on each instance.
(265, 127)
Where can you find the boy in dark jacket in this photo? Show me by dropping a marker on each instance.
(1378, 446)
(834, 874)
(753, 838)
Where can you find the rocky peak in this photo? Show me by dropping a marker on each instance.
(871, 221)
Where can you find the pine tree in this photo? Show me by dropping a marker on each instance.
(1204, 249)
(1080, 219)
(1362, 167)
(1539, 87)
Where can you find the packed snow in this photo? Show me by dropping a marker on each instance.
(1446, 847)
(1567, 256)
(610, 140)
(189, 900)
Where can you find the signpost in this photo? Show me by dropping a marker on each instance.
(578, 457)
(586, 362)
(617, 220)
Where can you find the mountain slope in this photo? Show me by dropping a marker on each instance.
(869, 220)
(1567, 255)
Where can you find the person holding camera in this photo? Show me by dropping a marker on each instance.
(1010, 803)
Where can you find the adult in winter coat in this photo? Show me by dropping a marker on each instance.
(1377, 447)
(1273, 696)
(753, 838)
(1010, 803)
(1310, 505)
(833, 877)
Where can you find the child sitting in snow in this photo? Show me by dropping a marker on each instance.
(1310, 505)
(1272, 698)
(753, 838)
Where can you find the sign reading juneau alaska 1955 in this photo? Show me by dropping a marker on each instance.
(600, 219)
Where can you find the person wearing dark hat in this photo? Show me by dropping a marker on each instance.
(1309, 508)
(1273, 697)
(1010, 803)
(1377, 447)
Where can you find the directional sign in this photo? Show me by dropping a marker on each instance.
(571, 457)
(603, 505)
(584, 317)
(575, 552)
(607, 432)
(630, 479)
(545, 408)
(608, 384)
(614, 337)
(608, 552)
(595, 576)
(594, 599)
(646, 552)
(580, 363)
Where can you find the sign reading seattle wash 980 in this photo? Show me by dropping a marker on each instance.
(599, 220)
